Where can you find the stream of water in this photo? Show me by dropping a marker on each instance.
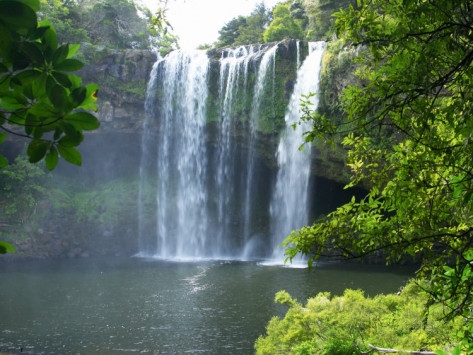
(200, 154)
(136, 305)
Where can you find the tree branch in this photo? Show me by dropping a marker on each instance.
(387, 350)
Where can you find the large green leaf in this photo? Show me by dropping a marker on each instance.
(73, 137)
(61, 54)
(38, 32)
(12, 103)
(83, 121)
(91, 97)
(59, 97)
(34, 4)
(42, 109)
(32, 51)
(3, 161)
(52, 158)
(62, 79)
(37, 149)
(70, 154)
(6, 248)
(79, 95)
(73, 48)
(17, 16)
(27, 76)
(69, 65)
(50, 38)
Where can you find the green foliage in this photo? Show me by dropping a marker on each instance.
(347, 324)
(320, 22)
(252, 31)
(22, 185)
(230, 31)
(6, 248)
(22, 188)
(107, 207)
(245, 30)
(299, 19)
(116, 24)
(97, 208)
(67, 18)
(36, 92)
(161, 29)
(283, 25)
(408, 134)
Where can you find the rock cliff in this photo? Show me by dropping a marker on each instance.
(123, 78)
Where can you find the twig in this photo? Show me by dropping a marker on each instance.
(387, 350)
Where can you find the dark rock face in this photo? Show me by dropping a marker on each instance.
(122, 76)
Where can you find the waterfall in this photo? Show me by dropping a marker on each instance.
(206, 188)
(145, 152)
(201, 184)
(267, 63)
(181, 219)
(234, 66)
(289, 205)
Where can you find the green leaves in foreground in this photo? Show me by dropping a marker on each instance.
(353, 323)
(37, 91)
(6, 248)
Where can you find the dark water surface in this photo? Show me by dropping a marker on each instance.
(133, 305)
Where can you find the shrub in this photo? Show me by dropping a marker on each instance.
(347, 324)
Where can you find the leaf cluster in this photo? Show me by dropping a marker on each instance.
(39, 99)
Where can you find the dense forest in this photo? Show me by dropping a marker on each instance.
(395, 102)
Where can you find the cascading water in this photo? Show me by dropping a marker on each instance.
(205, 191)
(200, 183)
(234, 66)
(145, 153)
(268, 62)
(289, 205)
(181, 197)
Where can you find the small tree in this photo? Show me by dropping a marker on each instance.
(230, 31)
(283, 25)
(252, 31)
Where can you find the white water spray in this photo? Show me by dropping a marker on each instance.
(200, 189)
(289, 205)
(181, 221)
(234, 173)
(265, 73)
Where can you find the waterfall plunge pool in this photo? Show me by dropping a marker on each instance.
(138, 305)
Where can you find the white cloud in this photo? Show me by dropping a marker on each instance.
(197, 22)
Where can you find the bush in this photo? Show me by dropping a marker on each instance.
(347, 324)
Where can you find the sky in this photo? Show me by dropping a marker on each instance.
(197, 22)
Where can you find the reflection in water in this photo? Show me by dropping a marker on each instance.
(148, 306)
